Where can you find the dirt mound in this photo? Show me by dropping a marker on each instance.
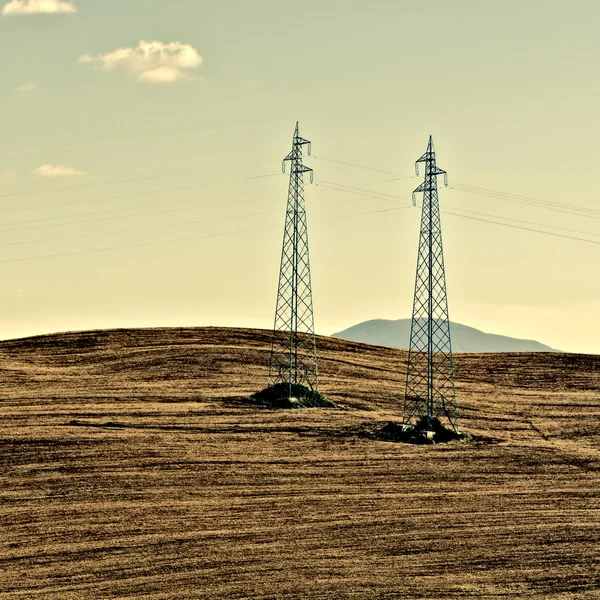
(278, 396)
(416, 433)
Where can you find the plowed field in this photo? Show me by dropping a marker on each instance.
(131, 468)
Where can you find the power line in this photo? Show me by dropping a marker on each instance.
(152, 205)
(143, 214)
(392, 197)
(144, 139)
(526, 200)
(560, 235)
(184, 239)
(556, 207)
(357, 192)
(111, 210)
(484, 191)
(130, 230)
(340, 162)
(175, 240)
(157, 166)
(495, 222)
(183, 187)
(362, 214)
(526, 222)
(128, 246)
(89, 185)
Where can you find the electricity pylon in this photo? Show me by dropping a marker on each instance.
(430, 391)
(294, 350)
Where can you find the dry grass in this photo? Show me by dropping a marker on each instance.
(130, 469)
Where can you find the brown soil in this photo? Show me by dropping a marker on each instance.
(130, 467)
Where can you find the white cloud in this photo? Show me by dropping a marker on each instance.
(56, 171)
(162, 75)
(27, 87)
(154, 62)
(38, 7)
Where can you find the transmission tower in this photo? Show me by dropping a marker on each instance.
(294, 350)
(430, 389)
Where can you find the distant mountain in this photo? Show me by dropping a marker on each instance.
(396, 334)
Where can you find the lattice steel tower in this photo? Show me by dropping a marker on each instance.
(294, 350)
(430, 389)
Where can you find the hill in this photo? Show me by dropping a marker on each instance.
(396, 334)
(130, 466)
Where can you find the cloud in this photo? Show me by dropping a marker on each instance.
(38, 7)
(152, 62)
(56, 171)
(27, 87)
(7, 175)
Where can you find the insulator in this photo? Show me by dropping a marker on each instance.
(417, 168)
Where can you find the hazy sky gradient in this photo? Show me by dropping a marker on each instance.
(509, 90)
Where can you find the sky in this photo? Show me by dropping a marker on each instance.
(141, 146)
